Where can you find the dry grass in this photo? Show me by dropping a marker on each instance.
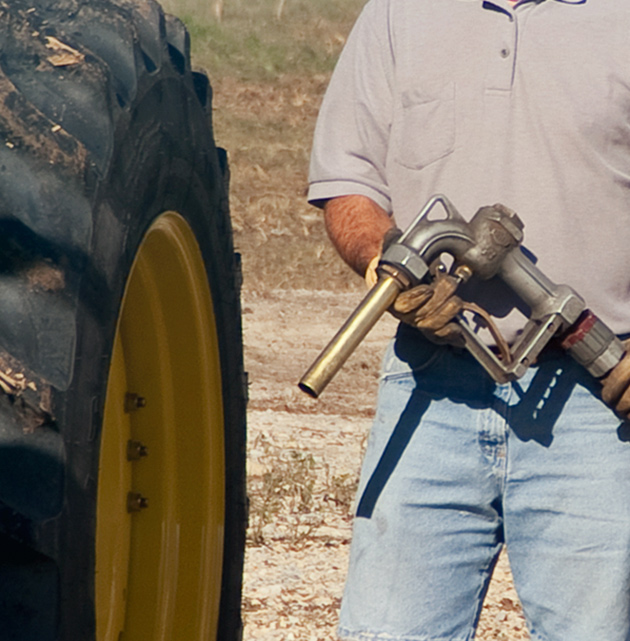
(292, 492)
(268, 130)
(269, 76)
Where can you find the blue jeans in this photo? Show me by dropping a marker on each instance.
(457, 466)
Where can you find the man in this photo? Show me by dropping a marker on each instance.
(527, 104)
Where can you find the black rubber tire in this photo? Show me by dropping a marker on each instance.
(105, 127)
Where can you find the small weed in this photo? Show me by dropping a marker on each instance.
(342, 489)
(284, 493)
(291, 493)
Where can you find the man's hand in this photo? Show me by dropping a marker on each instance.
(431, 309)
(358, 227)
(616, 386)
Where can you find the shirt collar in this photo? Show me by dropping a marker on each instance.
(505, 4)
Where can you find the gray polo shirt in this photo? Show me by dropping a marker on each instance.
(486, 102)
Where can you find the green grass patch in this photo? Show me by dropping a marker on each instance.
(255, 41)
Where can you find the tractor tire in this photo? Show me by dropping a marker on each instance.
(122, 391)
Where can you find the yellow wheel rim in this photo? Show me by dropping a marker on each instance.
(160, 516)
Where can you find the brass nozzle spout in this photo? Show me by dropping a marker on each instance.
(354, 330)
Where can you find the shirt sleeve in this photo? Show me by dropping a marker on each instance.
(352, 132)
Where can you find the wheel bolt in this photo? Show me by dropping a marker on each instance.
(134, 402)
(136, 502)
(136, 450)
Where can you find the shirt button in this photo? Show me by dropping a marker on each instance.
(505, 52)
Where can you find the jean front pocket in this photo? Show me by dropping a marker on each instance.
(409, 353)
(424, 130)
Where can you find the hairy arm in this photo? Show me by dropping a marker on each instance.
(356, 226)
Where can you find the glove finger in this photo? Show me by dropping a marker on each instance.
(371, 277)
(445, 286)
(440, 317)
(449, 333)
(616, 383)
(412, 298)
(409, 317)
(443, 289)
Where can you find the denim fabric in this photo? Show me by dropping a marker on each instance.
(456, 466)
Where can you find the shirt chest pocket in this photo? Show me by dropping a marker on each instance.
(424, 129)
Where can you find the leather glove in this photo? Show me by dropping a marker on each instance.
(430, 308)
(391, 236)
(616, 386)
(371, 277)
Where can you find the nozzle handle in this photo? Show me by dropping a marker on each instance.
(353, 331)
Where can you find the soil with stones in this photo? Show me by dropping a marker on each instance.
(304, 458)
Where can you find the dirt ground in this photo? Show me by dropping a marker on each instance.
(304, 458)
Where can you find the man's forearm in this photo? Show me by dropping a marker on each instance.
(356, 226)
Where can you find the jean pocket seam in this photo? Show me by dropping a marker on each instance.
(398, 375)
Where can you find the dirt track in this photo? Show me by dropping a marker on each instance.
(304, 457)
